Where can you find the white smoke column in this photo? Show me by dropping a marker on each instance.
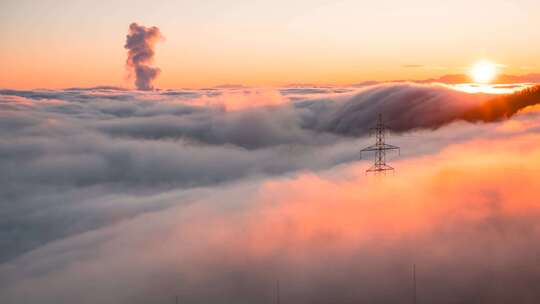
(140, 43)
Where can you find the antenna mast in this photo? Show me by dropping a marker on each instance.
(380, 148)
(414, 282)
(277, 292)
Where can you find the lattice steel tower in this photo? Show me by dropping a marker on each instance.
(380, 148)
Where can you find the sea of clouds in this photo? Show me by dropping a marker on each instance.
(113, 196)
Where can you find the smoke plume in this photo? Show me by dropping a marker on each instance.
(140, 44)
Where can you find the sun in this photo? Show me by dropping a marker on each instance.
(483, 71)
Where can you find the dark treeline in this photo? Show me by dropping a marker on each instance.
(505, 106)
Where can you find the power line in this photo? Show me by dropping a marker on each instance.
(380, 147)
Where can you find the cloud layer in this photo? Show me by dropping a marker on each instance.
(214, 194)
(338, 236)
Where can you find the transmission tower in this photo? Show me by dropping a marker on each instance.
(380, 148)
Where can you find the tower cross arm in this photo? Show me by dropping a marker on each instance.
(388, 147)
(370, 148)
(380, 168)
(378, 147)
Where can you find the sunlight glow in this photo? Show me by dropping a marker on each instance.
(484, 72)
(474, 88)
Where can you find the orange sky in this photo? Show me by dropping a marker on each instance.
(57, 44)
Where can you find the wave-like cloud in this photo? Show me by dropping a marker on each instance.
(254, 118)
(407, 107)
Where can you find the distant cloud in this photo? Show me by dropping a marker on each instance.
(367, 83)
(500, 79)
(449, 79)
(531, 77)
(412, 66)
(229, 86)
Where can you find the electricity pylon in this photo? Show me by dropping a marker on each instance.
(380, 148)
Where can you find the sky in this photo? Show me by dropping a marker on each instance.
(59, 44)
